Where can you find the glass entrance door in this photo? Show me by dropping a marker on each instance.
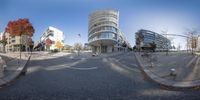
(104, 49)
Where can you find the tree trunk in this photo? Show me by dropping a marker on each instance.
(4, 51)
(20, 47)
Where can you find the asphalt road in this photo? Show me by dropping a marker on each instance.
(108, 78)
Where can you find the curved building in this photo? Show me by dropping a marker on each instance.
(103, 31)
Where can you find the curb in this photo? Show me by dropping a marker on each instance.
(167, 84)
(20, 71)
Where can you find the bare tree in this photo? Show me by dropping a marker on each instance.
(165, 32)
(179, 47)
(78, 47)
(139, 40)
(192, 35)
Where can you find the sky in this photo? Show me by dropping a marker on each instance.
(71, 16)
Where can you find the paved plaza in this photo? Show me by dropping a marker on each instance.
(159, 66)
(66, 77)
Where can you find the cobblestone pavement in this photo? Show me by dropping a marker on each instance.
(107, 78)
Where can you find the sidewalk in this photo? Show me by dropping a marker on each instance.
(15, 66)
(159, 65)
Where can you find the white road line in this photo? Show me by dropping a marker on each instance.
(89, 68)
(135, 65)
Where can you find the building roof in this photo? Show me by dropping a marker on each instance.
(55, 29)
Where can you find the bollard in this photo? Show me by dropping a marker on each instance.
(173, 72)
(152, 64)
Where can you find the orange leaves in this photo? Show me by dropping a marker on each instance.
(20, 27)
(59, 45)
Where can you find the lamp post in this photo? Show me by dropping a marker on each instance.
(167, 43)
(192, 42)
(79, 40)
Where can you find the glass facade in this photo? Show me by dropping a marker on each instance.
(103, 28)
(103, 35)
(103, 25)
(145, 37)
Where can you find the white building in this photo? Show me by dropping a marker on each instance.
(103, 33)
(53, 38)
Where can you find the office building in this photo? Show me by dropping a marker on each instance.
(144, 39)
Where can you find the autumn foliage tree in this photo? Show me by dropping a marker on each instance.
(59, 45)
(20, 27)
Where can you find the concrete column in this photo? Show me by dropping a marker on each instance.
(109, 49)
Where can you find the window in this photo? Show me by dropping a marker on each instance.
(53, 42)
(12, 41)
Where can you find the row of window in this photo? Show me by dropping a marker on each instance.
(109, 28)
(104, 23)
(149, 37)
(102, 20)
(105, 15)
(50, 34)
(104, 36)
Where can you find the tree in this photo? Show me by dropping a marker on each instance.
(153, 46)
(139, 40)
(78, 47)
(20, 27)
(191, 38)
(3, 42)
(179, 47)
(124, 45)
(59, 45)
(165, 32)
(30, 44)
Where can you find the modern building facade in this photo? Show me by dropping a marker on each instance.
(14, 42)
(144, 39)
(86, 47)
(52, 39)
(103, 31)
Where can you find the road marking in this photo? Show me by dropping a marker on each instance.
(125, 66)
(135, 65)
(81, 68)
(68, 65)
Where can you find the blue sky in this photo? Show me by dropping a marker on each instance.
(71, 16)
